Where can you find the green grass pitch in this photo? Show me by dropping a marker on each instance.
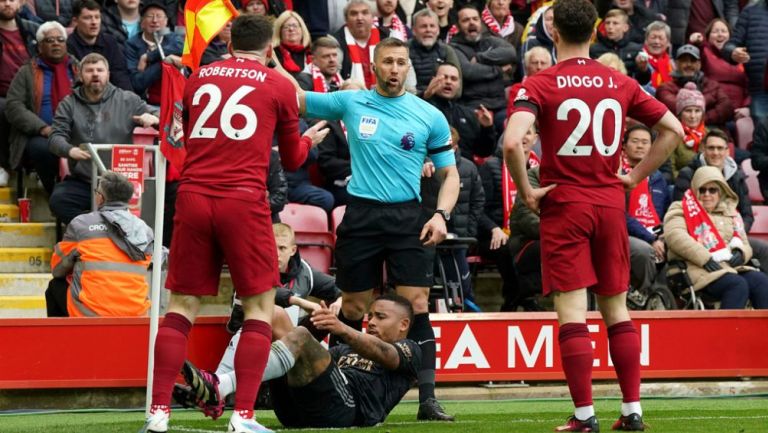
(710, 415)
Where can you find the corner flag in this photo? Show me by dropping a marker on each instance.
(204, 20)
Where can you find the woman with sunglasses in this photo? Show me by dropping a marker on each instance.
(706, 231)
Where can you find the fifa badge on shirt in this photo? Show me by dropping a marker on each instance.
(368, 126)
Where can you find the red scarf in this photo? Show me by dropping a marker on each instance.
(61, 84)
(361, 56)
(693, 136)
(451, 32)
(701, 228)
(509, 190)
(319, 83)
(662, 67)
(490, 21)
(396, 28)
(641, 205)
(289, 64)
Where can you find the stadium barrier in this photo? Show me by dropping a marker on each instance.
(481, 347)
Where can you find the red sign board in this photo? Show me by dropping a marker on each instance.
(129, 161)
(105, 352)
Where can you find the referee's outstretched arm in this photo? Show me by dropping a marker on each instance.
(300, 94)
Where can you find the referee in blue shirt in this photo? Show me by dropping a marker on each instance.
(390, 134)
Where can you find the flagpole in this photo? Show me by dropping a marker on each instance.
(157, 264)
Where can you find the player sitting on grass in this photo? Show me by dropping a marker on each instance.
(353, 384)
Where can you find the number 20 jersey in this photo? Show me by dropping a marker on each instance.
(232, 110)
(581, 106)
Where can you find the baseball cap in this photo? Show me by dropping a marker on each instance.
(690, 50)
(152, 4)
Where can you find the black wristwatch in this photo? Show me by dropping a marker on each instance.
(446, 216)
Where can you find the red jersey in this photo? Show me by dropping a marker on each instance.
(581, 107)
(232, 110)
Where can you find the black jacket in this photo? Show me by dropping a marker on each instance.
(483, 79)
(626, 49)
(333, 157)
(469, 206)
(277, 186)
(425, 61)
(475, 140)
(493, 215)
(107, 46)
(112, 23)
(751, 31)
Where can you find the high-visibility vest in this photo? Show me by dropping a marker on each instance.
(104, 281)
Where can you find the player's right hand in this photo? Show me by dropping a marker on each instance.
(317, 132)
(533, 199)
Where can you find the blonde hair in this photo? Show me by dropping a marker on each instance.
(284, 230)
(278, 27)
(613, 61)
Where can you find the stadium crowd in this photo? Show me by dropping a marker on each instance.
(89, 71)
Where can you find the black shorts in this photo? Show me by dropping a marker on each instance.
(326, 402)
(373, 233)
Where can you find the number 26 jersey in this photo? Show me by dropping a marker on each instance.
(581, 106)
(232, 110)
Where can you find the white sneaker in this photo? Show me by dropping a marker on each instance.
(242, 422)
(3, 177)
(157, 422)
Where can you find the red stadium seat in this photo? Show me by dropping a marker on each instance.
(315, 241)
(745, 127)
(755, 195)
(336, 216)
(760, 226)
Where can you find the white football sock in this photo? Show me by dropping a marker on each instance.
(630, 408)
(227, 384)
(584, 412)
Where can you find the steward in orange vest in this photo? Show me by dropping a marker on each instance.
(105, 255)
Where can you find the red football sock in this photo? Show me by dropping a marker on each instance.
(170, 351)
(576, 354)
(250, 359)
(624, 343)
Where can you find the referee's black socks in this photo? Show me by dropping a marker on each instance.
(422, 333)
(354, 324)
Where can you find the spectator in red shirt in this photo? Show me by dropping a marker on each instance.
(731, 77)
(17, 45)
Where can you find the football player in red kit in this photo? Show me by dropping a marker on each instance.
(232, 110)
(581, 108)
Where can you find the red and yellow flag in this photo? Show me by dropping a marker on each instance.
(204, 20)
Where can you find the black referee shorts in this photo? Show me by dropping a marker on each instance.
(373, 233)
(326, 402)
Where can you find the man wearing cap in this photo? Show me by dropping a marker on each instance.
(143, 54)
(719, 109)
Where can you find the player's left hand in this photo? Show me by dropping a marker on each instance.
(484, 116)
(326, 320)
(317, 132)
(146, 120)
(434, 231)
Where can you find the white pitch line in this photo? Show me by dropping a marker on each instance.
(512, 421)
(195, 430)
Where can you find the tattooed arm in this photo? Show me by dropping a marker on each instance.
(368, 346)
